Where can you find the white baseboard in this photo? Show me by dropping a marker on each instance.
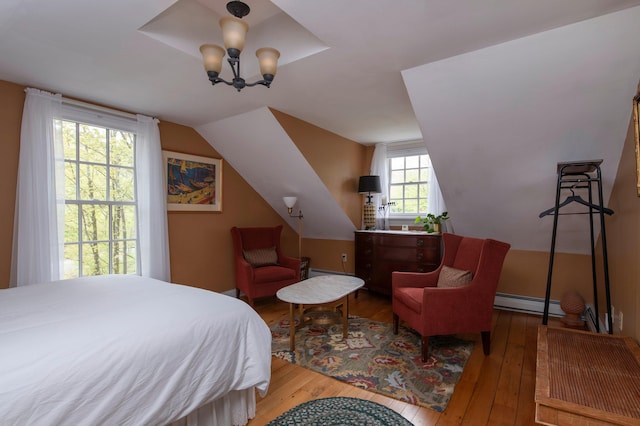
(531, 305)
(316, 272)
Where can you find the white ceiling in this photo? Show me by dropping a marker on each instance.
(372, 71)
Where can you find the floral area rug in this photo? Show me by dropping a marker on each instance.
(340, 411)
(375, 359)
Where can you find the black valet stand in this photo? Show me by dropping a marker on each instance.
(575, 176)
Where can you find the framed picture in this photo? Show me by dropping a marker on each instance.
(636, 125)
(193, 183)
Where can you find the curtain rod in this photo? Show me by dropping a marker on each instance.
(98, 108)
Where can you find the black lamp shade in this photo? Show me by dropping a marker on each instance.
(369, 184)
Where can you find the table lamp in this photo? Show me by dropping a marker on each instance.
(369, 185)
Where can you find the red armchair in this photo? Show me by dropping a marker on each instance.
(433, 310)
(261, 268)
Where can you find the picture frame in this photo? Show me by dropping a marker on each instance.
(636, 125)
(192, 183)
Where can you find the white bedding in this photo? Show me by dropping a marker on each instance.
(123, 350)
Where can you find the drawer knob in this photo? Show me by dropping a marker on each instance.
(420, 243)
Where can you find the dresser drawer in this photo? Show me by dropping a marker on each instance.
(378, 254)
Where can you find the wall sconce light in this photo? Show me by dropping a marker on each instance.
(369, 185)
(290, 202)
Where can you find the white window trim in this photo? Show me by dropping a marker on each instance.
(77, 112)
(404, 149)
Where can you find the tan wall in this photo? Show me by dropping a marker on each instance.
(325, 254)
(336, 160)
(525, 274)
(200, 243)
(11, 103)
(339, 162)
(623, 243)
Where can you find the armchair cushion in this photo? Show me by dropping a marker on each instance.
(261, 256)
(411, 297)
(269, 274)
(453, 277)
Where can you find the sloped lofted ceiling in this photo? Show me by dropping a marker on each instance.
(498, 120)
(491, 87)
(276, 168)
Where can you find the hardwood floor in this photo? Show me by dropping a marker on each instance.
(494, 390)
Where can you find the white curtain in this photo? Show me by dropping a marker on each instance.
(380, 167)
(39, 213)
(38, 235)
(152, 205)
(435, 202)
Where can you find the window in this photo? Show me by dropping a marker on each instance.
(100, 235)
(409, 174)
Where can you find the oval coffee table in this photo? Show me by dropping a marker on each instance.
(320, 290)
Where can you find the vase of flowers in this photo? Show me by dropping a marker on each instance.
(432, 222)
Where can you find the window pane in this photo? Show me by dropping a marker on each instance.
(411, 206)
(95, 259)
(413, 162)
(412, 175)
(424, 191)
(70, 223)
(69, 139)
(410, 191)
(93, 144)
(396, 192)
(132, 255)
(118, 256)
(124, 222)
(70, 179)
(424, 174)
(95, 222)
(396, 208)
(124, 257)
(71, 261)
(397, 163)
(93, 182)
(397, 176)
(423, 205)
(121, 184)
(424, 161)
(121, 148)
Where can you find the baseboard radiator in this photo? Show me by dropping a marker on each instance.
(317, 272)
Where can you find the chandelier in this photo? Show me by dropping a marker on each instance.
(234, 30)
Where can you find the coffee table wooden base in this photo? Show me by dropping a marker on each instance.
(328, 296)
(324, 314)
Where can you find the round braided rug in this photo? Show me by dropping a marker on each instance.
(340, 411)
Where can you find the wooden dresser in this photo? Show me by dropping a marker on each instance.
(378, 253)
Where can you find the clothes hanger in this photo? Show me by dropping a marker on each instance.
(578, 199)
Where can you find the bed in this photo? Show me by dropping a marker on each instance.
(129, 350)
